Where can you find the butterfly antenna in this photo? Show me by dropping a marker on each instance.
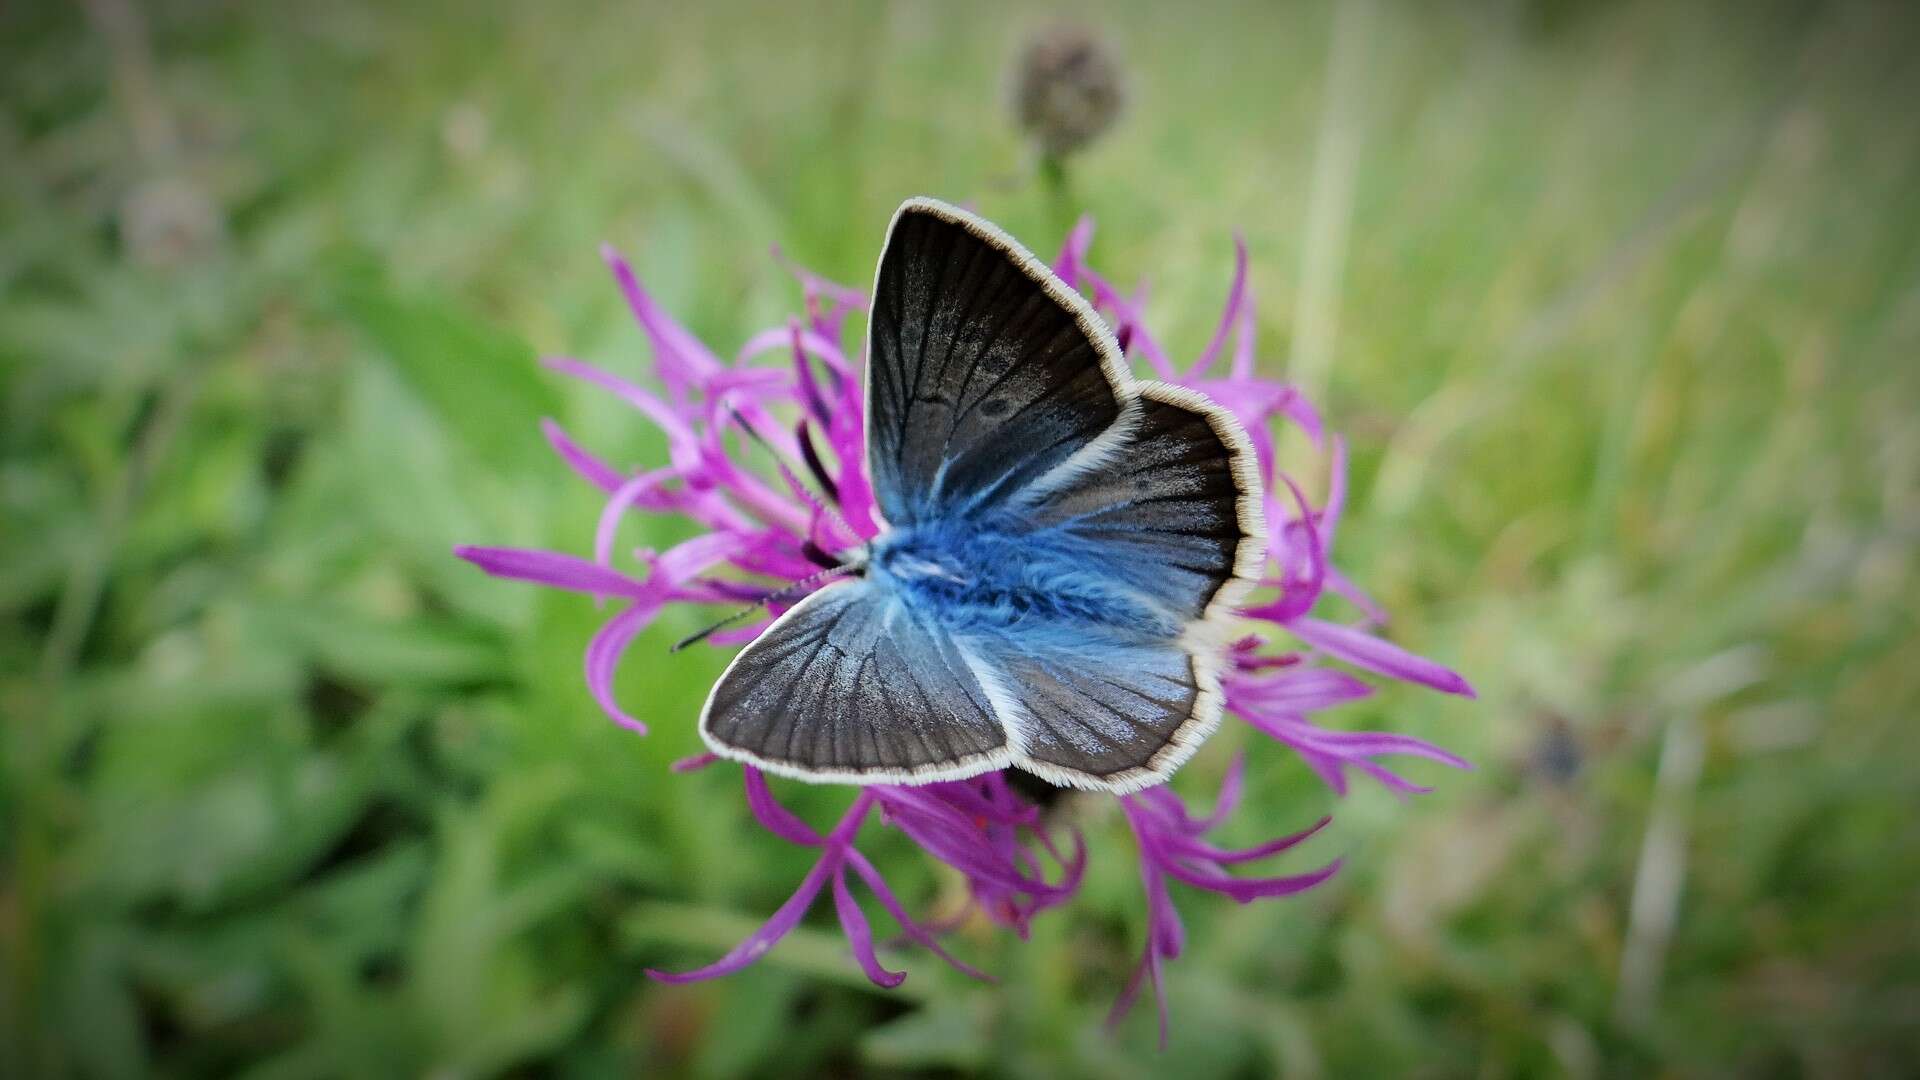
(779, 595)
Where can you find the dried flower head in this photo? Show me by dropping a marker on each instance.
(1067, 88)
(795, 389)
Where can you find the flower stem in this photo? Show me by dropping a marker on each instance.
(1062, 207)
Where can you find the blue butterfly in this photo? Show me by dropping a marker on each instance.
(1063, 546)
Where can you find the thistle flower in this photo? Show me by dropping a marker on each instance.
(794, 390)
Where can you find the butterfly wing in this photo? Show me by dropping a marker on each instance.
(985, 372)
(851, 685)
(993, 390)
(1103, 712)
(1174, 518)
(1174, 514)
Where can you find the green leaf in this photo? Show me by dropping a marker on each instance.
(414, 651)
(947, 1034)
(485, 384)
(98, 1008)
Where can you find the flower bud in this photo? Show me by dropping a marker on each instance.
(1067, 88)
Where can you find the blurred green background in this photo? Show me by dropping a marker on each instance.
(1618, 304)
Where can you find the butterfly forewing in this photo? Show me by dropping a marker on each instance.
(1172, 515)
(849, 685)
(983, 373)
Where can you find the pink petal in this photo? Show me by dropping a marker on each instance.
(681, 442)
(1147, 969)
(1247, 890)
(841, 295)
(1304, 565)
(1231, 786)
(1357, 744)
(1242, 366)
(810, 343)
(908, 925)
(688, 559)
(1236, 299)
(1296, 689)
(774, 817)
(1127, 312)
(553, 569)
(592, 469)
(603, 658)
(1366, 651)
(1196, 849)
(1301, 411)
(623, 499)
(760, 941)
(1340, 585)
(680, 356)
(756, 498)
(1336, 492)
(859, 933)
(1074, 249)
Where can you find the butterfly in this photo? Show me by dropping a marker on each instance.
(1062, 546)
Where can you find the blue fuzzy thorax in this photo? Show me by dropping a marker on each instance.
(993, 574)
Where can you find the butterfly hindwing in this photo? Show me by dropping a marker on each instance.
(1104, 712)
(850, 685)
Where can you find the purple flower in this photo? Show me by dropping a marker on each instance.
(1170, 847)
(794, 390)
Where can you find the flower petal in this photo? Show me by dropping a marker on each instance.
(919, 934)
(1196, 849)
(1231, 786)
(592, 469)
(623, 499)
(1148, 969)
(1303, 563)
(756, 944)
(1295, 689)
(774, 817)
(680, 357)
(681, 443)
(603, 658)
(1247, 890)
(1242, 366)
(1341, 585)
(553, 569)
(1379, 743)
(1230, 316)
(859, 933)
(1364, 650)
(688, 559)
(1336, 503)
(1297, 408)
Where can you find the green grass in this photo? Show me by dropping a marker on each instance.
(1626, 340)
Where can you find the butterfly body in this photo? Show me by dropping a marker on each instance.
(1063, 547)
(997, 577)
